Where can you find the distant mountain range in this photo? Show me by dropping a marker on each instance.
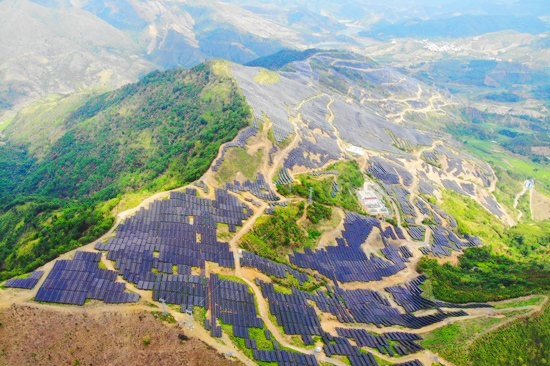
(61, 46)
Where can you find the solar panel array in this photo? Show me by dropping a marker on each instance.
(292, 311)
(180, 232)
(368, 306)
(25, 283)
(75, 281)
(347, 261)
(388, 172)
(445, 241)
(400, 342)
(232, 303)
(184, 290)
(284, 177)
(410, 363)
(409, 295)
(454, 186)
(313, 154)
(417, 232)
(259, 188)
(271, 268)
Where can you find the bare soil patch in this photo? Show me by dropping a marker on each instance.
(32, 335)
(540, 206)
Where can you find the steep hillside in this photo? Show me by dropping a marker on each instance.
(153, 135)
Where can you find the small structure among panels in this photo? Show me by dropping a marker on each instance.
(25, 283)
(75, 281)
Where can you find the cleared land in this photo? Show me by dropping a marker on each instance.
(47, 336)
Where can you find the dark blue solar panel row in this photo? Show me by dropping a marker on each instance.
(259, 188)
(417, 232)
(25, 283)
(444, 241)
(363, 338)
(326, 149)
(368, 306)
(409, 295)
(239, 141)
(270, 268)
(410, 363)
(184, 290)
(342, 347)
(180, 232)
(347, 261)
(292, 311)
(284, 177)
(362, 360)
(403, 343)
(74, 281)
(285, 357)
(233, 303)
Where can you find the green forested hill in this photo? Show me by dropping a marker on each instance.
(157, 134)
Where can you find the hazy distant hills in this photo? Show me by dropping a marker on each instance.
(61, 46)
(456, 27)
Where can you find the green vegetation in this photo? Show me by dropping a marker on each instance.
(524, 205)
(169, 318)
(451, 341)
(275, 236)
(526, 342)
(255, 333)
(290, 229)
(513, 263)
(146, 341)
(317, 212)
(267, 77)
(488, 141)
(517, 303)
(238, 160)
(285, 284)
(39, 125)
(349, 179)
(482, 275)
(473, 219)
(199, 314)
(151, 136)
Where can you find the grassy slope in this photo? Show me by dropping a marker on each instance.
(238, 160)
(525, 341)
(154, 135)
